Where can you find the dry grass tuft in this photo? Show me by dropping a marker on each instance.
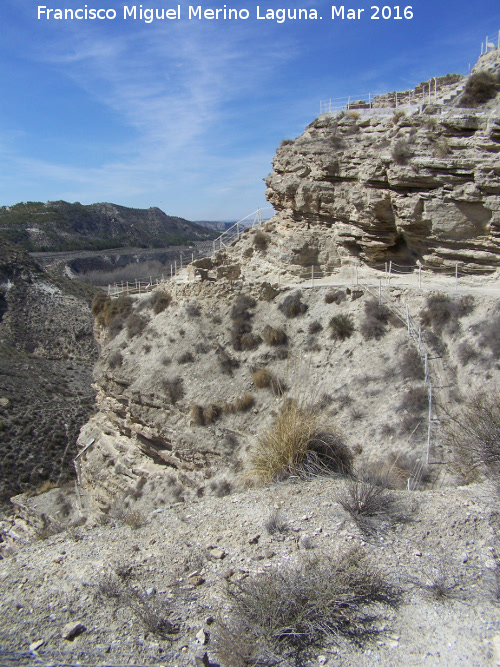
(341, 326)
(274, 335)
(296, 446)
(262, 378)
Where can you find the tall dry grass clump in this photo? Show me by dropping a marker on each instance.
(296, 445)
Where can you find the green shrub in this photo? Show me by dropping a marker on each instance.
(341, 326)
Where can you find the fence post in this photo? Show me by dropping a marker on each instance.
(390, 271)
(408, 319)
(181, 261)
(419, 339)
(192, 257)
(312, 275)
(175, 266)
(429, 425)
(426, 368)
(171, 272)
(380, 291)
(420, 277)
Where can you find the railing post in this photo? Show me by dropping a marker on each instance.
(419, 277)
(390, 271)
(408, 319)
(380, 291)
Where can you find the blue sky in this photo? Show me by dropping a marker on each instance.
(186, 114)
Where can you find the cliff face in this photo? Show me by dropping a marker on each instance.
(388, 184)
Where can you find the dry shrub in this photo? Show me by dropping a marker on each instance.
(249, 341)
(489, 336)
(262, 378)
(314, 327)
(135, 325)
(480, 88)
(368, 504)
(212, 413)
(472, 436)
(185, 358)
(274, 335)
(442, 312)
(241, 307)
(278, 616)
(115, 359)
(193, 309)
(112, 313)
(135, 519)
(196, 414)
(467, 353)
(276, 523)
(226, 363)
(295, 445)
(341, 326)
(292, 306)
(159, 301)
(244, 403)
(260, 240)
(174, 389)
(335, 296)
(402, 152)
(375, 321)
(411, 364)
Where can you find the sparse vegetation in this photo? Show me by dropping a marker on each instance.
(368, 503)
(193, 309)
(341, 326)
(276, 523)
(442, 312)
(292, 306)
(314, 327)
(262, 378)
(411, 364)
(135, 325)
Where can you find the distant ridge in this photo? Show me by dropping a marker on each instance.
(61, 226)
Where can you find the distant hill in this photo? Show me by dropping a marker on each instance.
(61, 226)
(218, 225)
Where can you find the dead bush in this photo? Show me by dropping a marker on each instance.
(276, 523)
(335, 296)
(174, 389)
(375, 320)
(472, 436)
(115, 359)
(242, 306)
(135, 519)
(274, 335)
(295, 445)
(402, 152)
(292, 306)
(489, 336)
(442, 312)
(193, 309)
(212, 413)
(249, 341)
(341, 326)
(467, 353)
(289, 610)
(221, 488)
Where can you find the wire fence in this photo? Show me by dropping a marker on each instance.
(184, 258)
